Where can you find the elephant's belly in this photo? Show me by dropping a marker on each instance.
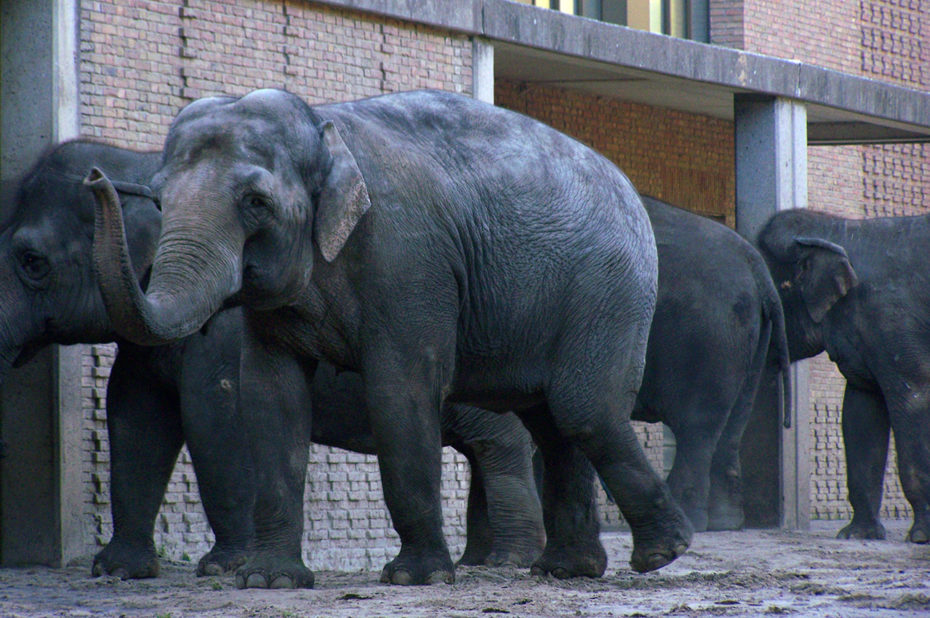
(490, 385)
(497, 401)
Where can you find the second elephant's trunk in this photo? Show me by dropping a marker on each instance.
(160, 315)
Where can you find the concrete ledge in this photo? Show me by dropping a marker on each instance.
(843, 97)
(458, 15)
(699, 62)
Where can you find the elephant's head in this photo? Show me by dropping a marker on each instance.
(47, 282)
(252, 190)
(811, 271)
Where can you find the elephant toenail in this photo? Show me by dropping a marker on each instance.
(402, 578)
(282, 581)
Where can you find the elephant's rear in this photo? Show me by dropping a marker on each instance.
(548, 240)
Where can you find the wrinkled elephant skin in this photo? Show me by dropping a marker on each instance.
(185, 391)
(443, 248)
(717, 316)
(860, 290)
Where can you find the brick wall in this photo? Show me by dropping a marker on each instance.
(885, 40)
(141, 61)
(682, 158)
(726, 23)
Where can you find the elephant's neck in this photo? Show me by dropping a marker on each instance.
(805, 338)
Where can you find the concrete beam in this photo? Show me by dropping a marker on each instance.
(771, 175)
(482, 70)
(709, 71)
(40, 405)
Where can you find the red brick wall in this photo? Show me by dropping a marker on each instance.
(141, 61)
(682, 158)
(726, 23)
(822, 33)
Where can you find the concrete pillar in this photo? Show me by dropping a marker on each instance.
(771, 175)
(40, 404)
(482, 70)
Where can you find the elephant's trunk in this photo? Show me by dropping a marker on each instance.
(178, 301)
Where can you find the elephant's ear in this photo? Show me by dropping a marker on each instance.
(824, 273)
(343, 198)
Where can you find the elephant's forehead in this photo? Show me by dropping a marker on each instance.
(225, 137)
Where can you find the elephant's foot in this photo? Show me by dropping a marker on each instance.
(475, 554)
(520, 551)
(730, 519)
(920, 531)
(513, 557)
(725, 506)
(412, 568)
(693, 502)
(723, 514)
(662, 544)
(508, 556)
(126, 560)
(273, 571)
(697, 516)
(586, 559)
(221, 560)
(863, 530)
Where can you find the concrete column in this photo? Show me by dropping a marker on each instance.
(482, 70)
(40, 405)
(771, 175)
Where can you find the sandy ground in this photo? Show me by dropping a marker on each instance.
(751, 572)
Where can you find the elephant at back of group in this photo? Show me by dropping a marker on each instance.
(860, 289)
(160, 397)
(717, 317)
(447, 250)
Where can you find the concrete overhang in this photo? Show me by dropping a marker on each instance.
(535, 45)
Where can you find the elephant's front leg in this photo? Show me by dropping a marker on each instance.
(404, 399)
(274, 403)
(865, 438)
(218, 446)
(144, 427)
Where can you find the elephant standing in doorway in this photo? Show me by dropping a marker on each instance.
(860, 289)
(161, 397)
(717, 318)
(445, 249)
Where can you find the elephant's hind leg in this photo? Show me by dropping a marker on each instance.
(911, 428)
(591, 398)
(573, 548)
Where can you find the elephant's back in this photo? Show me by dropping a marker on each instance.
(470, 157)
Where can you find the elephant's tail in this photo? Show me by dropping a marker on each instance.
(778, 342)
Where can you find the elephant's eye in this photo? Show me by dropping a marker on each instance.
(34, 265)
(257, 210)
(258, 202)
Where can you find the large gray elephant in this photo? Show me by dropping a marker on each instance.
(161, 397)
(860, 289)
(445, 249)
(717, 317)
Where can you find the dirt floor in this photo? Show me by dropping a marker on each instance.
(751, 572)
